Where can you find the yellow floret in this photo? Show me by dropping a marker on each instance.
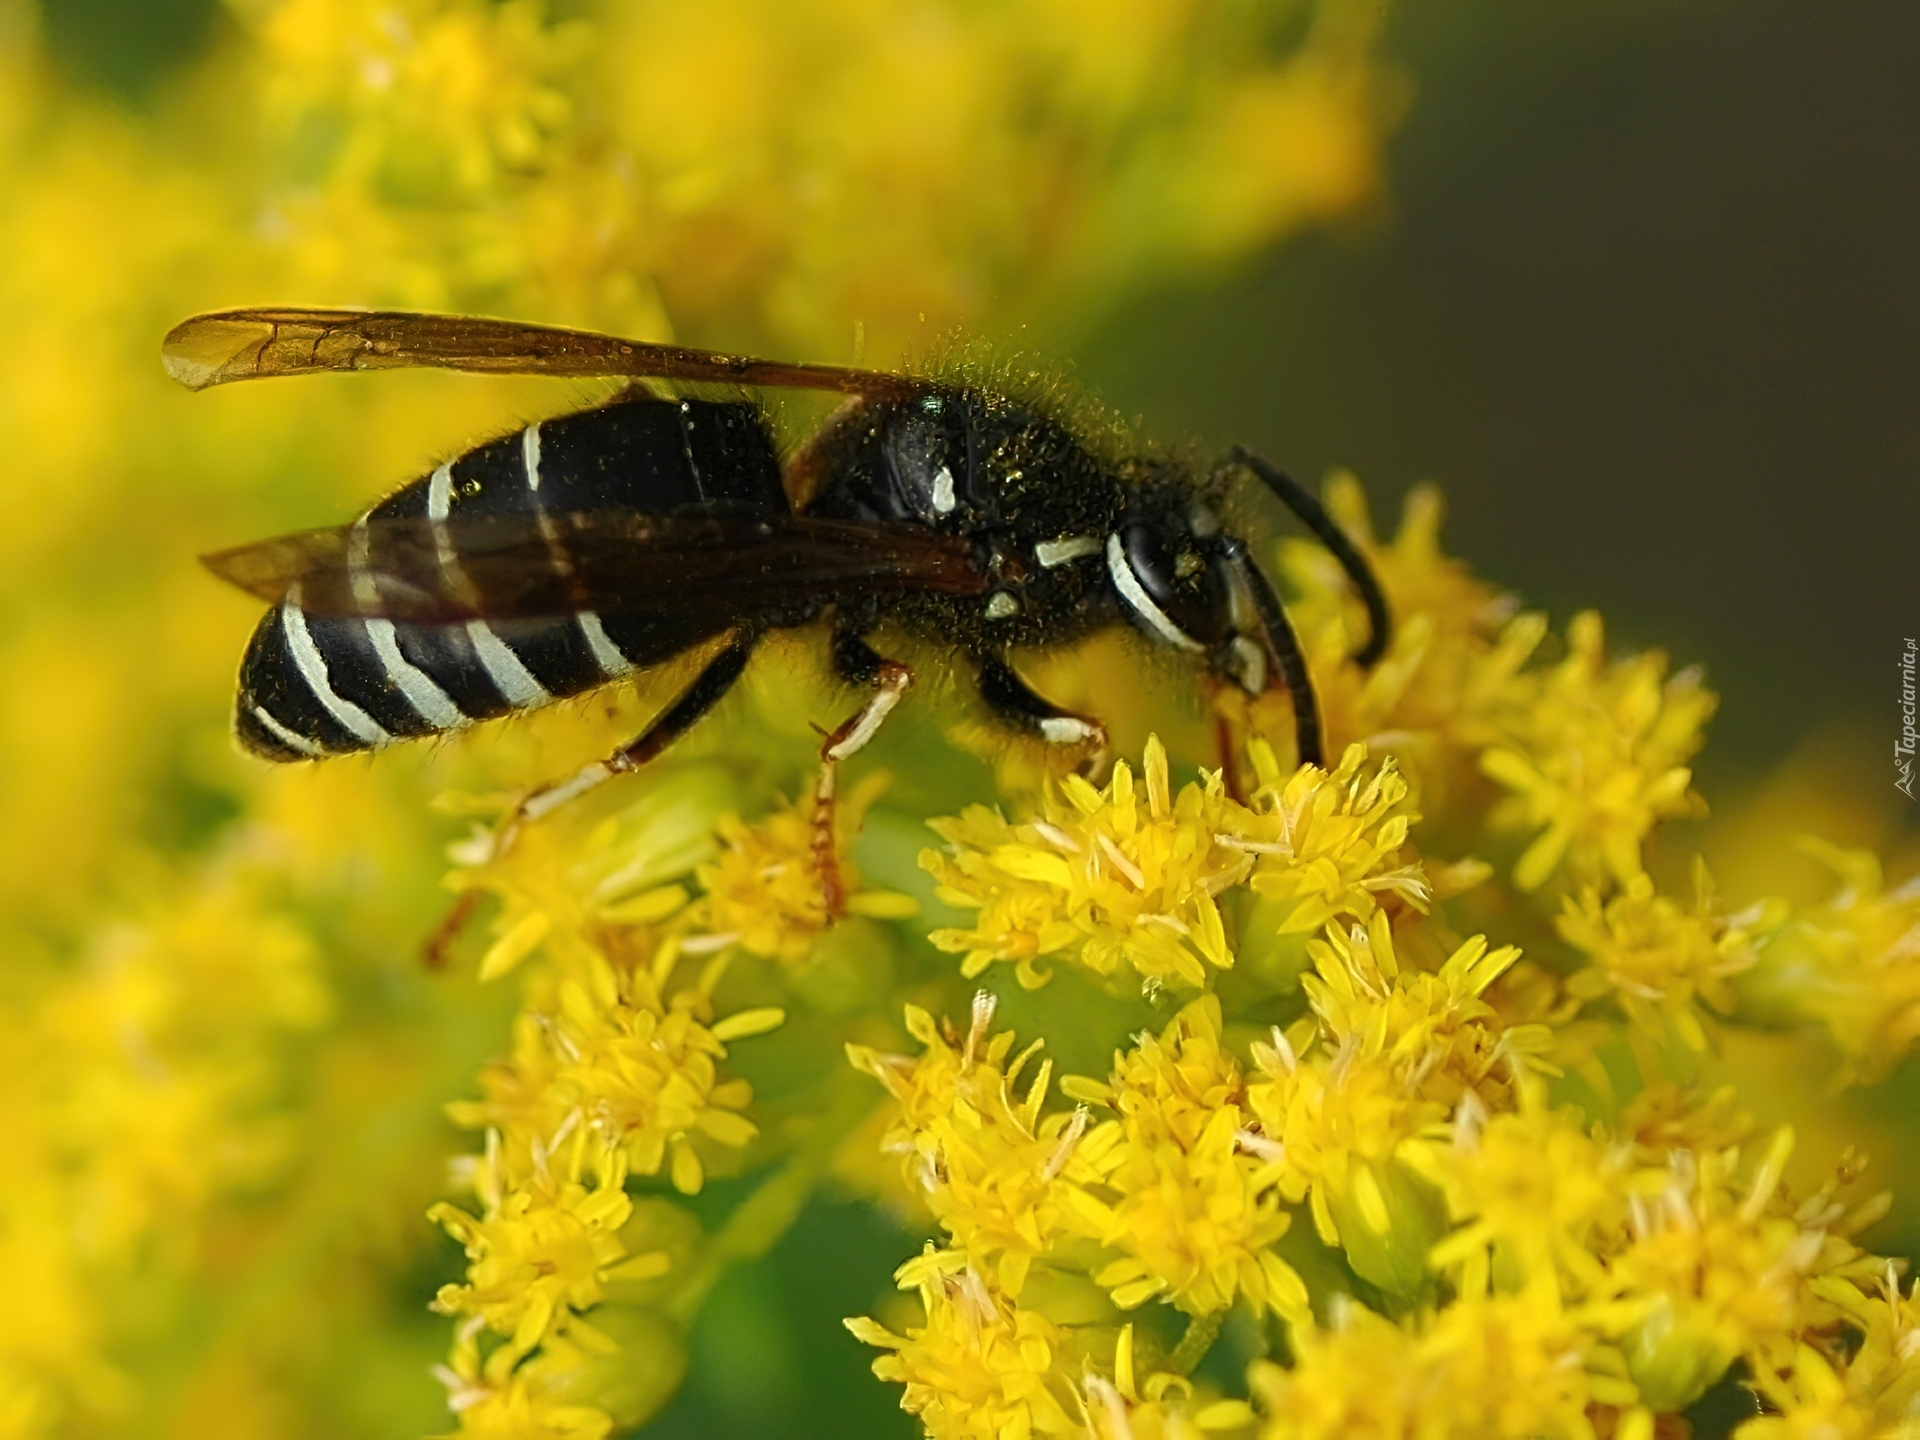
(763, 888)
(1496, 1366)
(1850, 964)
(633, 1059)
(1658, 961)
(996, 1173)
(979, 1368)
(1594, 754)
(541, 1250)
(1187, 1196)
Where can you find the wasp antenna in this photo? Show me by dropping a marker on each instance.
(1306, 505)
(1285, 649)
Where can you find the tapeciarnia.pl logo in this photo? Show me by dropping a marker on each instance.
(1903, 747)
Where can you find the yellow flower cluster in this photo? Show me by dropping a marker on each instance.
(980, 1367)
(617, 1070)
(1393, 1053)
(777, 174)
(142, 1091)
(1490, 1365)
(1874, 1394)
(1656, 960)
(1591, 754)
(1685, 1260)
(1850, 964)
(1192, 1197)
(1566, 1246)
(1334, 1079)
(1456, 642)
(180, 1110)
(1107, 876)
(998, 1177)
(763, 890)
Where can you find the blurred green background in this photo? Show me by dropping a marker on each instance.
(1643, 297)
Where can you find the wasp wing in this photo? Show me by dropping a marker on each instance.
(422, 572)
(226, 345)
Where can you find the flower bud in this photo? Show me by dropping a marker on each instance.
(1388, 1220)
(625, 1361)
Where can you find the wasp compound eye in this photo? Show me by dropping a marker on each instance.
(1170, 583)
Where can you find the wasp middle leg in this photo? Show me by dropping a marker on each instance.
(858, 663)
(706, 691)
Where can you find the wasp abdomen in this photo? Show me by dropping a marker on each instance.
(313, 685)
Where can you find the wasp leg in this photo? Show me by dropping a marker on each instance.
(669, 725)
(1240, 662)
(1305, 504)
(1014, 701)
(859, 664)
(1233, 658)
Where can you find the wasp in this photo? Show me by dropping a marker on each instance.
(581, 549)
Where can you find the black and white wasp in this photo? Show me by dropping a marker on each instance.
(554, 560)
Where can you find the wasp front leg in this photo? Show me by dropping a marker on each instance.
(1014, 702)
(857, 663)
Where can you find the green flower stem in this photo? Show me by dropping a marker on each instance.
(1202, 1331)
(767, 1214)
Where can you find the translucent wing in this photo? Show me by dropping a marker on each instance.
(418, 571)
(226, 345)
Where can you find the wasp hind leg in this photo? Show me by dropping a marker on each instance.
(858, 663)
(687, 709)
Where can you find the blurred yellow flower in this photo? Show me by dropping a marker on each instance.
(1480, 1367)
(1850, 964)
(1657, 961)
(763, 890)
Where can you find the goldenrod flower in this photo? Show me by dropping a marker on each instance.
(1482, 1366)
(1718, 1272)
(637, 1067)
(1811, 1399)
(763, 889)
(1535, 1196)
(1186, 1196)
(1593, 755)
(1456, 642)
(1827, 1392)
(1331, 844)
(1108, 876)
(1100, 878)
(515, 1407)
(1850, 964)
(1399, 1051)
(979, 1368)
(1658, 961)
(995, 1171)
(542, 1249)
